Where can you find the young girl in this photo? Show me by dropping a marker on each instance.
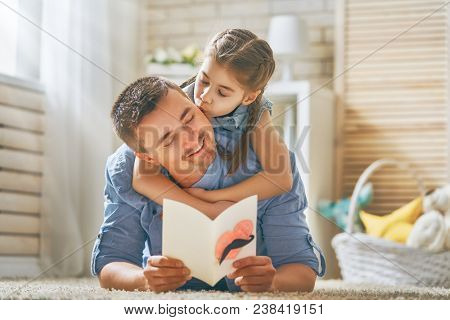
(229, 90)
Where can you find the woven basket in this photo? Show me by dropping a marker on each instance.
(366, 259)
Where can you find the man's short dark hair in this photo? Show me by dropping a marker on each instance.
(137, 100)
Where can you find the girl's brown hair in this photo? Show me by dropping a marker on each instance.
(251, 61)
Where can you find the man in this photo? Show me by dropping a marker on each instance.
(158, 121)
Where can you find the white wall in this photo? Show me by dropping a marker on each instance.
(179, 23)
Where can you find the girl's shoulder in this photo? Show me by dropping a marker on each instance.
(266, 104)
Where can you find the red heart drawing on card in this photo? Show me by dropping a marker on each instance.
(230, 242)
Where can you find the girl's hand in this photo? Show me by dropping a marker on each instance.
(200, 193)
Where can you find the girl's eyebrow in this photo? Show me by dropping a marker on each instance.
(227, 88)
(222, 86)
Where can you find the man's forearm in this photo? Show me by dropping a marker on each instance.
(294, 277)
(122, 276)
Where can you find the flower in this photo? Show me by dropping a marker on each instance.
(173, 56)
(189, 55)
(160, 55)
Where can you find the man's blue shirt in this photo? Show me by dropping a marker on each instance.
(132, 226)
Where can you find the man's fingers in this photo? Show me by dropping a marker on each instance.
(164, 274)
(252, 261)
(168, 281)
(161, 261)
(167, 286)
(167, 272)
(254, 274)
(253, 281)
(251, 271)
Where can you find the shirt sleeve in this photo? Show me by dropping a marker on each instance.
(121, 237)
(119, 177)
(285, 231)
(266, 104)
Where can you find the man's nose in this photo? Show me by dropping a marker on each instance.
(190, 138)
(206, 95)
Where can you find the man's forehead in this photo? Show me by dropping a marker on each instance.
(174, 94)
(165, 117)
(168, 108)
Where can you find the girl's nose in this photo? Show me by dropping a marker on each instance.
(205, 96)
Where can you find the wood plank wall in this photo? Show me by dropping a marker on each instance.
(21, 150)
(395, 103)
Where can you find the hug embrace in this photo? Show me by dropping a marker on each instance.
(209, 144)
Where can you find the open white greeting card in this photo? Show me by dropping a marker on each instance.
(209, 247)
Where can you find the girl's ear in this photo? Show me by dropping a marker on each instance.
(147, 158)
(250, 97)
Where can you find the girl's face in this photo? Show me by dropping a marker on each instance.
(217, 92)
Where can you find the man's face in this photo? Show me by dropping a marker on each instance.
(177, 135)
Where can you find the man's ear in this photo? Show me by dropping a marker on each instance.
(145, 157)
(250, 97)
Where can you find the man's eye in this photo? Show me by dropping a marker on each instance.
(221, 94)
(168, 141)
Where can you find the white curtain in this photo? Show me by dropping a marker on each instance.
(90, 49)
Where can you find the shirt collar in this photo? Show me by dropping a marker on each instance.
(235, 119)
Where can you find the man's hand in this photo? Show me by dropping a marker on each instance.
(165, 274)
(254, 274)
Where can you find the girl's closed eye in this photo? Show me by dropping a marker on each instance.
(222, 94)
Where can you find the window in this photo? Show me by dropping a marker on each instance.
(21, 138)
(20, 39)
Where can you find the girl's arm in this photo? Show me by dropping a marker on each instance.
(150, 182)
(276, 177)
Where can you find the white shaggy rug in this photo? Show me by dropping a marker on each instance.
(88, 288)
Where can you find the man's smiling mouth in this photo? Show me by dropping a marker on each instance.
(198, 149)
